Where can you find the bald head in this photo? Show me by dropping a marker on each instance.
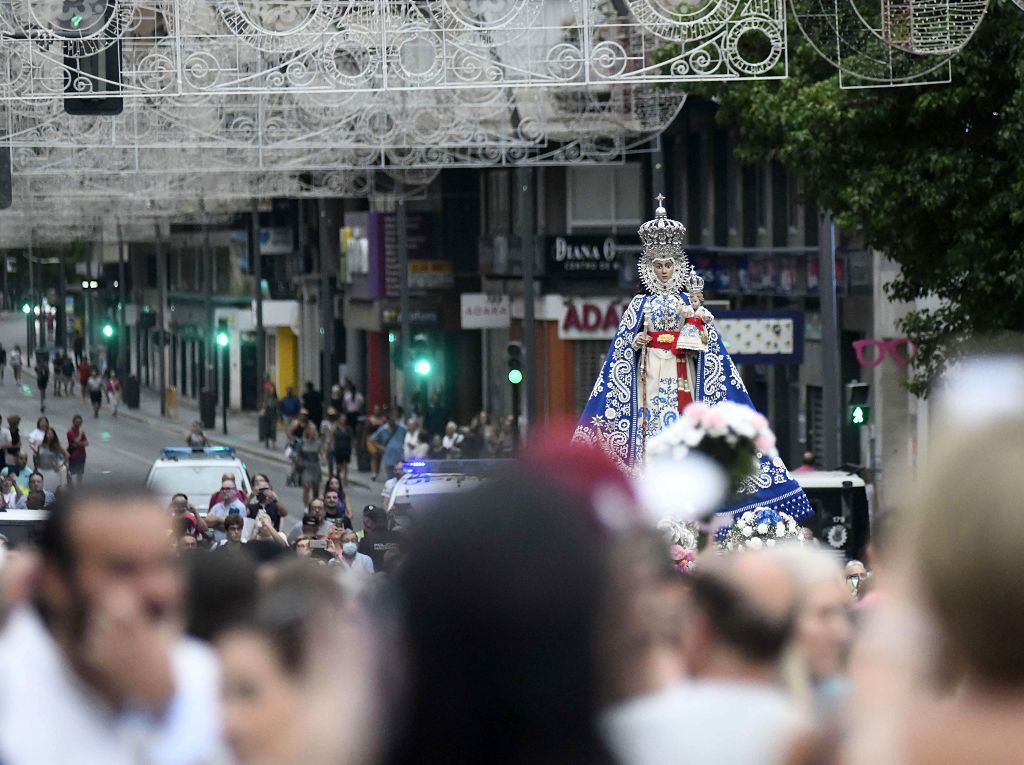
(748, 601)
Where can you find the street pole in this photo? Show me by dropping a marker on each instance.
(403, 293)
(328, 250)
(224, 359)
(257, 270)
(831, 393)
(161, 285)
(209, 334)
(524, 176)
(122, 337)
(30, 342)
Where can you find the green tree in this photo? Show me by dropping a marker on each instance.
(932, 175)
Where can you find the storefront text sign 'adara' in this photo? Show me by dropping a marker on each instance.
(583, 256)
(591, 318)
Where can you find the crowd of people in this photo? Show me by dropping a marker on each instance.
(59, 372)
(41, 463)
(539, 618)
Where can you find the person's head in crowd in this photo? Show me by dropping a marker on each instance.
(7, 481)
(310, 525)
(374, 518)
(332, 502)
(260, 481)
(742, 610)
(233, 525)
(450, 428)
(309, 431)
(51, 440)
(187, 543)
(282, 677)
(22, 461)
(35, 500)
(503, 624)
(332, 413)
(856, 578)
(822, 628)
(13, 421)
(42, 424)
(301, 547)
(111, 600)
(334, 484)
(228, 491)
(76, 421)
(808, 459)
(966, 537)
(36, 482)
(349, 543)
(317, 509)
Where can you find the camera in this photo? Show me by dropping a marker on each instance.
(318, 544)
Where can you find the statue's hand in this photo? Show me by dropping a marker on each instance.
(641, 340)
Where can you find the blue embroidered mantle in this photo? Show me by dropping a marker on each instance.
(613, 415)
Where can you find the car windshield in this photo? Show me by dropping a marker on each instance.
(197, 481)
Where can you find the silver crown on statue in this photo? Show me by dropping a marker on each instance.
(662, 234)
(694, 283)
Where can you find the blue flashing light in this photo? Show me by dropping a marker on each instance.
(415, 466)
(174, 452)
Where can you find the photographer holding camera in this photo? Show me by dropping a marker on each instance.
(264, 498)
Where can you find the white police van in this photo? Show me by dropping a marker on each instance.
(425, 484)
(842, 518)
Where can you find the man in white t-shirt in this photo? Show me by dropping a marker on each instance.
(94, 669)
(229, 504)
(731, 710)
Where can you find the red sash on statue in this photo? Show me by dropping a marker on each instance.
(666, 341)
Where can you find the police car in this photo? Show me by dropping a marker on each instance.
(425, 484)
(195, 472)
(841, 517)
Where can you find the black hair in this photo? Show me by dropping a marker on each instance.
(739, 623)
(55, 543)
(503, 629)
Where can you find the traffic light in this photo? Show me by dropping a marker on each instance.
(26, 308)
(223, 338)
(422, 366)
(515, 363)
(858, 410)
(108, 330)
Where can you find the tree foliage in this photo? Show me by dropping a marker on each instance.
(931, 175)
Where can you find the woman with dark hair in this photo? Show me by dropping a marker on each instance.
(287, 697)
(506, 596)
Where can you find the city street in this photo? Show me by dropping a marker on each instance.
(125, 446)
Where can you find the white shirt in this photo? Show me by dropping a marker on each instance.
(48, 716)
(36, 437)
(712, 721)
(363, 564)
(453, 441)
(220, 511)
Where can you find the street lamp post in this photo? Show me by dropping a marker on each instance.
(223, 341)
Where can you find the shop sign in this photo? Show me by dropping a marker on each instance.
(391, 317)
(583, 256)
(431, 275)
(480, 311)
(591, 318)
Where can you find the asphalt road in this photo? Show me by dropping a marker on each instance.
(125, 449)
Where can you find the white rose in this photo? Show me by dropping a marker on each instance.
(762, 529)
(780, 530)
(770, 543)
(755, 543)
(747, 531)
(747, 516)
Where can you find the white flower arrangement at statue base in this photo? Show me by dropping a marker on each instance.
(760, 528)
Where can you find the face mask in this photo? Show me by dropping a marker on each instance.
(349, 549)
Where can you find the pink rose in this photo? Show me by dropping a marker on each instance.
(694, 412)
(759, 421)
(714, 420)
(764, 442)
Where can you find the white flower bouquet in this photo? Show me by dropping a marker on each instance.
(730, 434)
(757, 529)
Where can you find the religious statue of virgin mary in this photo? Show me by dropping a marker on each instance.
(666, 354)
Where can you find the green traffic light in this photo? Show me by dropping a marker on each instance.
(515, 376)
(26, 309)
(223, 339)
(423, 367)
(108, 330)
(857, 416)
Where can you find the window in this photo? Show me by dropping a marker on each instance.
(605, 197)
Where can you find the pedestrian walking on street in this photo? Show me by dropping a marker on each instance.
(195, 436)
(78, 344)
(58, 373)
(68, 366)
(352, 401)
(83, 377)
(77, 441)
(3, 362)
(114, 391)
(53, 459)
(290, 406)
(311, 453)
(341, 447)
(95, 386)
(15, 361)
(313, 402)
(42, 380)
